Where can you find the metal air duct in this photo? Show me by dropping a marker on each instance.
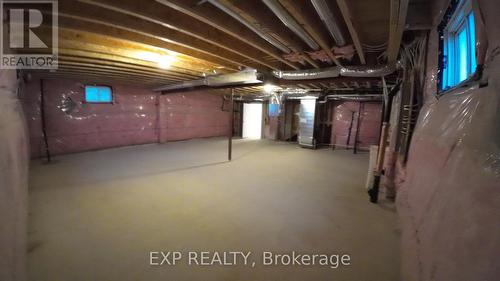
(368, 71)
(355, 97)
(248, 76)
(336, 71)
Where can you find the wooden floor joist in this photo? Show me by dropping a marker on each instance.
(172, 19)
(399, 11)
(344, 9)
(218, 19)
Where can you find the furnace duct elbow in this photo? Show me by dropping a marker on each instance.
(336, 71)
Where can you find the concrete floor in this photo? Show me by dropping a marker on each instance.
(97, 215)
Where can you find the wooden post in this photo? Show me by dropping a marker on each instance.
(231, 124)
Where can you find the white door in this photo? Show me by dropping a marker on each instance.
(252, 120)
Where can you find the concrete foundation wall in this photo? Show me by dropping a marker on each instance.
(136, 116)
(449, 200)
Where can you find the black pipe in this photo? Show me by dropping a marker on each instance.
(44, 126)
(357, 129)
(231, 124)
(350, 130)
(373, 192)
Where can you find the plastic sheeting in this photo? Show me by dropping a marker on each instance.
(345, 116)
(13, 181)
(74, 125)
(449, 203)
(195, 114)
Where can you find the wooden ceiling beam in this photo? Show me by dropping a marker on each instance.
(93, 80)
(90, 79)
(346, 14)
(265, 20)
(114, 64)
(84, 74)
(72, 18)
(104, 72)
(131, 56)
(82, 23)
(312, 25)
(103, 68)
(161, 15)
(89, 25)
(181, 61)
(220, 20)
(79, 53)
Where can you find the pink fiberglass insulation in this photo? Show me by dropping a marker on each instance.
(196, 114)
(13, 180)
(130, 119)
(449, 202)
(345, 116)
(136, 116)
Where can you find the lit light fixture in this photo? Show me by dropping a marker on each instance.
(268, 88)
(163, 61)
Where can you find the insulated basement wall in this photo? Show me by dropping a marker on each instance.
(369, 124)
(196, 114)
(136, 116)
(271, 124)
(449, 202)
(13, 181)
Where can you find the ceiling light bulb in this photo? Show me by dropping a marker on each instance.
(165, 61)
(268, 88)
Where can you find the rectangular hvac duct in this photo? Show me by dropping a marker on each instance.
(244, 77)
(248, 76)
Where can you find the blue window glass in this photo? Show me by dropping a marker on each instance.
(462, 54)
(472, 42)
(98, 94)
(459, 47)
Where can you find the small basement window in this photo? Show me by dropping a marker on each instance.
(457, 45)
(98, 94)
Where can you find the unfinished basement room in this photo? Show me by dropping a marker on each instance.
(250, 140)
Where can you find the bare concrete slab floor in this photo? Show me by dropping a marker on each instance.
(97, 215)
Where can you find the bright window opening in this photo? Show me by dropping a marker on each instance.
(458, 46)
(98, 94)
